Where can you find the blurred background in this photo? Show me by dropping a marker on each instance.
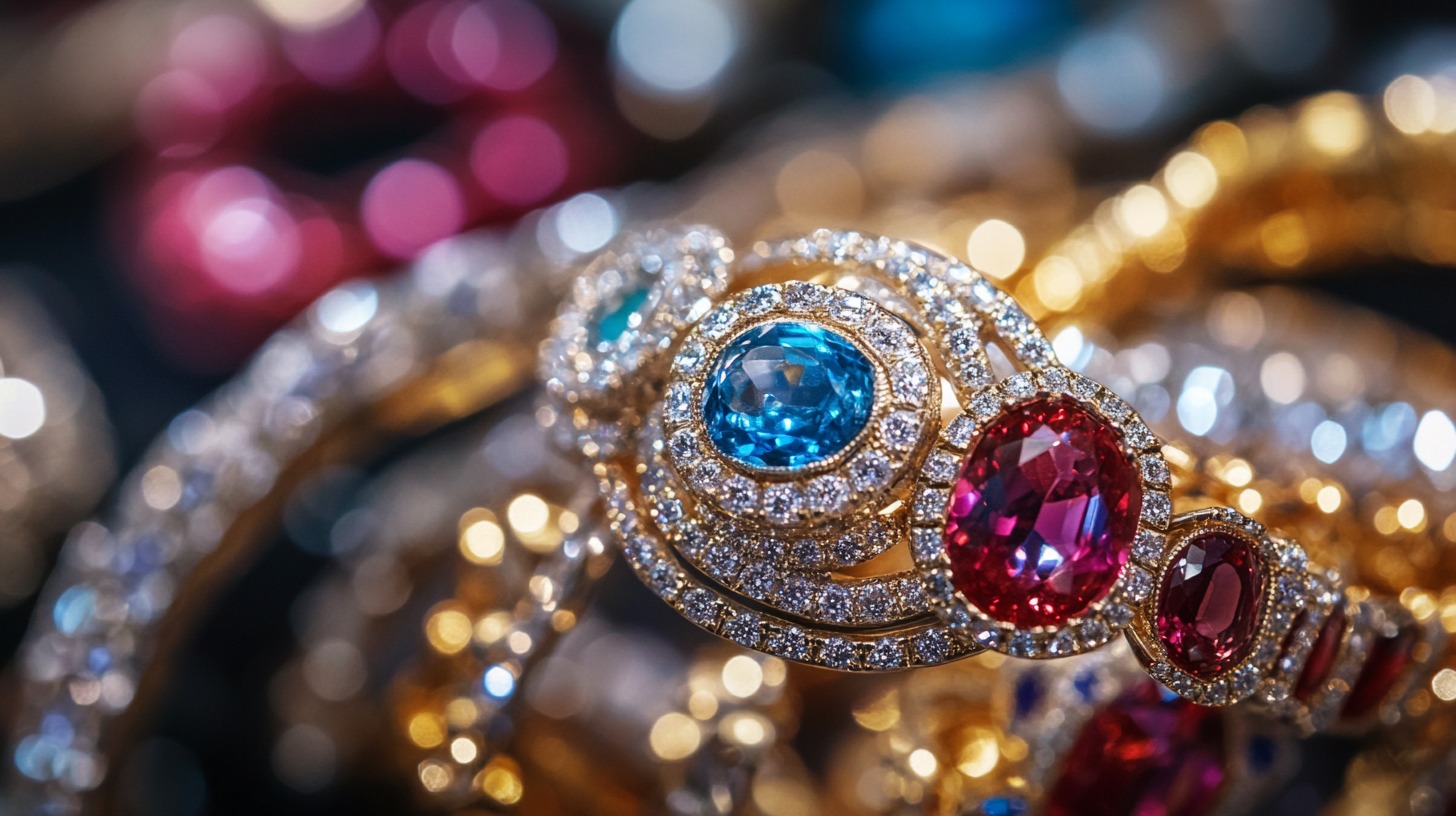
(178, 178)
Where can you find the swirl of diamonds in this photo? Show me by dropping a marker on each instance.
(926, 643)
(787, 574)
(682, 269)
(952, 304)
(1289, 587)
(87, 649)
(1135, 583)
(851, 483)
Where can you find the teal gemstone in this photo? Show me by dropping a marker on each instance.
(787, 395)
(613, 323)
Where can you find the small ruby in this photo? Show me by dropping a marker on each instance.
(1208, 609)
(1390, 656)
(1043, 514)
(1321, 656)
(1143, 754)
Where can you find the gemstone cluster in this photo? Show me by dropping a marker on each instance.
(791, 404)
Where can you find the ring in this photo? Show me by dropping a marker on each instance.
(793, 436)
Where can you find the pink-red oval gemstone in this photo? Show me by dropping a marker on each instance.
(1043, 514)
(1390, 656)
(1144, 754)
(1321, 656)
(1208, 609)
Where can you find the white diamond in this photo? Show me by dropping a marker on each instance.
(828, 495)
(684, 448)
(718, 322)
(801, 296)
(739, 495)
(870, 471)
(941, 467)
(836, 653)
(834, 603)
(761, 299)
(930, 505)
(902, 429)
(690, 358)
(959, 432)
(1154, 469)
(679, 402)
(927, 544)
(909, 380)
(848, 307)
(782, 503)
(889, 335)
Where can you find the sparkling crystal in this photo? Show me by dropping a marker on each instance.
(791, 643)
(743, 629)
(871, 471)
(836, 652)
(834, 603)
(932, 646)
(802, 296)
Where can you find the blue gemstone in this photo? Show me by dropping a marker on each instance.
(1004, 806)
(787, 395)
(612, 323)
(1027, 693)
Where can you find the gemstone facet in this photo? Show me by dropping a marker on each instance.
(1043, 514)
(1144, 753)
(1209, 604)
(787, 395)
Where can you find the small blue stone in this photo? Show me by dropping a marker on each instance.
(1086, 685)
(787, 395)
(1262, 753)
(1003, 806)
(1028, 693)
(612, 323)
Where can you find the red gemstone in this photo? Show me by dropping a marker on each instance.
(1321, 656)
(1043, 514)
(1208, 609)
(1390, 656)
(1144, 754)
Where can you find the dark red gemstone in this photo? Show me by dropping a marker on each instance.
(1043, 514)
(1321, 656)
(1390, 656)
(1208, 609)
(1144, 754)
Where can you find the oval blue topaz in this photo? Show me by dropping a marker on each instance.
(787, 395)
